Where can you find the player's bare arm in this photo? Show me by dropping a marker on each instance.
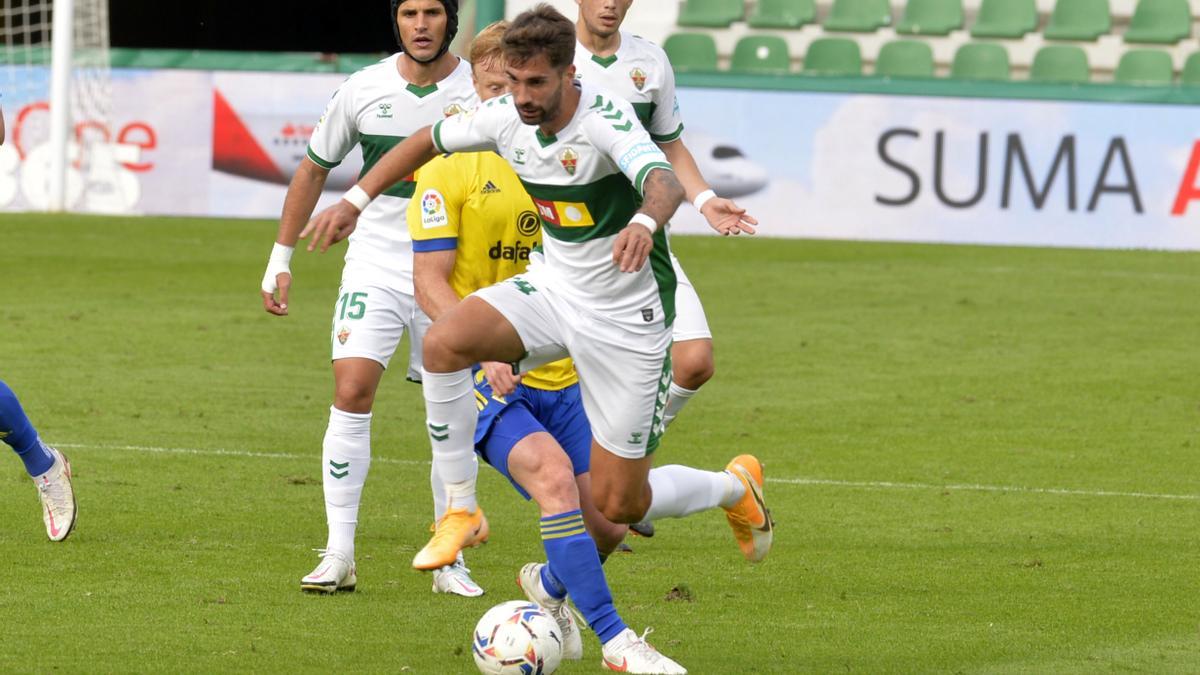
(338, 221)
(303, 192)
(662, 195)
(1, 127)
(722, 214)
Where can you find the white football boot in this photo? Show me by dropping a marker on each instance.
(57, 496)
(530, 581)
(456, 579)
(335, 573)
(628, 653)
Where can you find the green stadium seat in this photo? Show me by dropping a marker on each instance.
(1005, 19)
(691, 51)
(981, 61)
(761, 54)
(1079, 20)
(833, 56)
(1191, 71)
(711, 13)
(1145, 66)
(905, 58)
(858, 16)
(931, 17)
(1160, 22)
(1060, 63)
(783, 13)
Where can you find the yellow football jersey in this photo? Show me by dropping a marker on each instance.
(474, 204)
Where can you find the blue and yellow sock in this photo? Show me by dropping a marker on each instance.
(17, 431)
(574, 566)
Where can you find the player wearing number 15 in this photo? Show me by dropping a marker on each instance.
(375, 108)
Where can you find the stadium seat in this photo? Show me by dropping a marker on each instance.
(833, 56)
(1005, 18)
(1060, 63)
(711, 13)
(1191, 71)
(980, 61)
(1145, 66)
(905, 58)
(1160, 22)
(1079, 20)
(691, 51)
(761, 54)
(858, 16)
(931, 17)
(783, 13)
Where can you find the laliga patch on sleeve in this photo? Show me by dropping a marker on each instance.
(433, 210)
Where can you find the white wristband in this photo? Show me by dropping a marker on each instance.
(702, 199)
(358, 198)
(645, 220)
(279, 263)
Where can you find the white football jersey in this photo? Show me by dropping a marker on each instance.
(640, 73)
(376, 108)
(587, 183)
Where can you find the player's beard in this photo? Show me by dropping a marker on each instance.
(547, 113)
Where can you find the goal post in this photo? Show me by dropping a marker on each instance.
(56, 83)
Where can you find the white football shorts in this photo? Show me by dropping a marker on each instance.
(690, 321)
(371, 315)
(623, 376)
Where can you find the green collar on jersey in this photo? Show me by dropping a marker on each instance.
(545, 140)
(421, 92)
(605, 61)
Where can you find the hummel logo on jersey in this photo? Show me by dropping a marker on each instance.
(490, 189)
(385, 110)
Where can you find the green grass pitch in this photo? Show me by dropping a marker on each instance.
(981, 460)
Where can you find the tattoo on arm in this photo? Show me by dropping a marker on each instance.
(662, 195)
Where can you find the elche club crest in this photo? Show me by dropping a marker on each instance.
(453, 109)
(570, 160)
(639, 78)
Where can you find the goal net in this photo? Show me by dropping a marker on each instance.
(57, 157)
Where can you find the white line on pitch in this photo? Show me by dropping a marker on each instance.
(224, 453)
(871, 485)
(884, 485)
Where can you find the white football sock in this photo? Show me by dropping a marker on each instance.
(439, 492)
(450, 419)
(679, 491)
(345, 460)
(677, 397)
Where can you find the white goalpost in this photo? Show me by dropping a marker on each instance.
(57, 99)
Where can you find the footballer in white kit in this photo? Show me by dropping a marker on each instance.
(603, 191)
(375, 108)
(586, 182)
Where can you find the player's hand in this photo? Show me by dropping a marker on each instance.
(331, 225)
(632, 247)
(283, 284)
(727, 217)
(501, 377)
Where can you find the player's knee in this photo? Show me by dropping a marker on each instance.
(440, 352)
(353, 396)
(694, 369)
(623, 510)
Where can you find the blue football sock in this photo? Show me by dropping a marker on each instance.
(574, 563)
(16, 430)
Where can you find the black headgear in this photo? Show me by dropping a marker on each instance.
(451, 7)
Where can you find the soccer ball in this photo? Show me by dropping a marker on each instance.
(517, 638)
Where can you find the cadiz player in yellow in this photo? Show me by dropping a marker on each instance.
(472, 225)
